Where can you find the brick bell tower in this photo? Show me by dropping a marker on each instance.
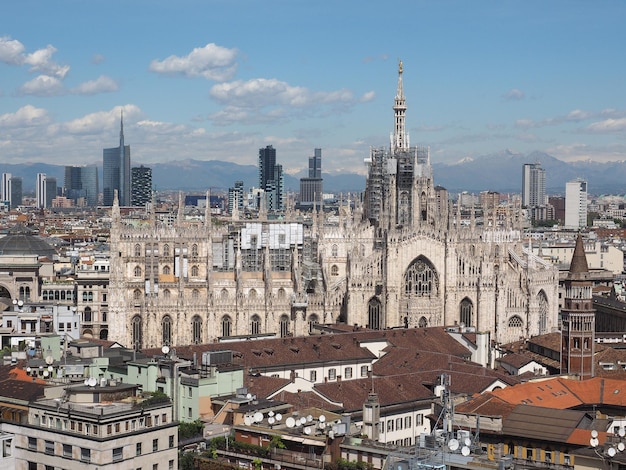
(578, 318)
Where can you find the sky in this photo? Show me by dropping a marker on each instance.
(219, 79)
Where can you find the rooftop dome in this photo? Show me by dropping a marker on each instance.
(21, 241)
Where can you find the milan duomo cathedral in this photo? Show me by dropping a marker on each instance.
(401, 256)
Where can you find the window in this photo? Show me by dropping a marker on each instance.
(194, 271)
(334, 251)
(170, 465)
(375, 315)
(137, 250)
(226, 326)
(255, 325)
(389, 425)
(166, 328)
(313, 375)
(67, 450)
(515, 322)
(137, 271)
(32, 443)
(195, 294)
(332, 374)
(49, 447)
(467, 312)
(166, 250)
(194, 250)
(138, 449)
(347, 373)
(407, 422)
(166, 270)
(196, 329)
(117, 454)
(85, 455)
(529, 454)
(419, 420)
(398, 423)
(155, 466)
(155, 445)
(171, 441)
(363, 371)
(284, 326)
(137, 294)
(334, 270)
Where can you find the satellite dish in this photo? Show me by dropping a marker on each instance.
(621, 432)
(290, 422)
(247, 421)
(331, 434)
(270, 414)
(92, 382)
(465, 451)
(322, 425)
(303, 420)
(165, 349)
(322, 418)
(49, 360)
(307, 430)
(86, 382)
(467, 442)
(309, 418)
(248, 396)
(621, 446)
(258, 417)
(611, 451)
(46, 373)
(279, 417)
(270, 420)
(593, 442)
(594, 433)
(453, 445)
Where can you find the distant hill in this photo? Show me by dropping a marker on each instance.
(496, 172)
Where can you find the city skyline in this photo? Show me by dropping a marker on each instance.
(481, 78)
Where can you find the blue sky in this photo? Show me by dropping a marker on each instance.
(217, 80)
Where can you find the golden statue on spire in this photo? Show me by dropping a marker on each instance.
(400, 67)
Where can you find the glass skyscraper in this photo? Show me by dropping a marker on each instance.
(116, 172)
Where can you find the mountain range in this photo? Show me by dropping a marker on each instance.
(500, 172)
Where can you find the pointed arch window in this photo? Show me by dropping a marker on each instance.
(421, 279)
(166, 270)
(137, 271)
(136, 332)
(374, 314)
(466, 315)
(227, 326)
(194, 250)
(196, 330)
(194, 271)
(195, 294)
(137, 294)
(543, 312)
(313, 320)
(166, 329)
(137, 249)
(334, 270)
(334, 251)
(516, 322)
(284, 326)
(166, 250)
(423, 322)
(255, 325)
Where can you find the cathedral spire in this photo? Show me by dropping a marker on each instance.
(400, 139)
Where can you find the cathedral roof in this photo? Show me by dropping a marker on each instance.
(579, 259)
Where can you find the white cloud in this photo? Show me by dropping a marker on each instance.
(26, 116)
(211, 61)
(11, 51)
(514, 95)
(41, 61)
(102, 84)
(607, 126)
(43, 85)
(97, 59)
(94, 123)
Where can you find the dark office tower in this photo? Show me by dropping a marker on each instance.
(271, 178)
(141, 182)
(116, 172)
(235, 197)
(16, 191)
(311, 188)
(50, 189)
(81, 185)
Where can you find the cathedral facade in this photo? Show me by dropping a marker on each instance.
(403, 257)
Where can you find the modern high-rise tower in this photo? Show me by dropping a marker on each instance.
(271, 179)
(15, 196)
(81, 184)
(116, 172)
(141, 183)
(46, 190)
(533, 185)
(311, 189)
(576, 204)
(6, 187)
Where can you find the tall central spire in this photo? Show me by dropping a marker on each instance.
(122, 130)
(400, 139)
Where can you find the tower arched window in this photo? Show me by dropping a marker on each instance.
(374, 314)
(136, 332)
(423, 322)
(281, 294)
(196, 330)
(136, 294)
(166, 293)
(252, 294)
(194, 250)
(166, 270)
(195, 294)
(87, 315)
(334, 251)
(255, 325)
(226, 326)
(224, 294)
(166, 250)
(466, 315)
(284, 326)
(166, 329)
(137, 249)
(137, 271)
(334, 270)
(516, 322)
(194, 271)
